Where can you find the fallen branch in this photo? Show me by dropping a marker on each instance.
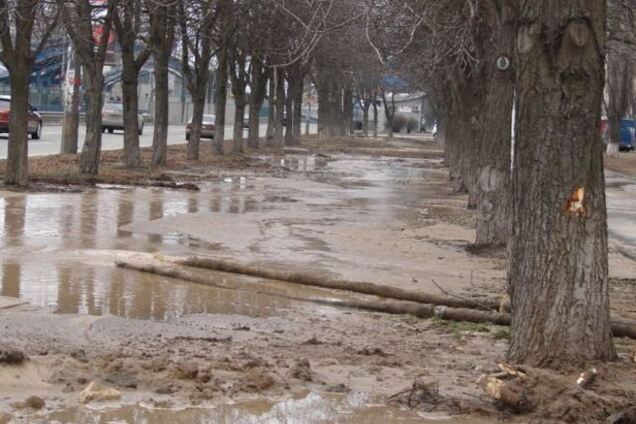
(316, 280)
(389, 306)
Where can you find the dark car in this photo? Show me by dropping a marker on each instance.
(34, 122)
(208, 127)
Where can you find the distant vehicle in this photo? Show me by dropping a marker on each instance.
(113, 118)
(34, 119)
(626, 136)
(208, 127)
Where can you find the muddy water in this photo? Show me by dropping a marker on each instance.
(57, 250)
(311, 409)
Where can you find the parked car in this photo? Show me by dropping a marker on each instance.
(627, 134)
(208, 127)
(34, 120)
(113, 118)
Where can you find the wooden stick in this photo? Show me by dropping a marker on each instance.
(388, 305)
(316, 280)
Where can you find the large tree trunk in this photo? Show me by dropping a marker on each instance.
(258, 85)
(70, 126)
(239, 115)
(91, 151)
(347, 111)
(492, 190)
(375, 119)
(221, 102)
(18, 153)
(130, 82)
(289, 116)
(198, 108)
(297, 116)
(620, 90)
(271, 110)
(280, 108)
(558, 249)
(162, 111)
(365, 117)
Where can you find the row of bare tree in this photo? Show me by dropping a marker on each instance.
(519, 90)
(258, 49)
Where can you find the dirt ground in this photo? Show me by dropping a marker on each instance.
(334, 214)
(624, 163)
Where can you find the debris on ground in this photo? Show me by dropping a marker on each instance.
(96, 392)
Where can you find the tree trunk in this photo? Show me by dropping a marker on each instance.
(130, 82)
(620, 89)
(258, 85)
(91, 151)
(221, 102)
(308, 118)
(198, 108)
(280, 108)
(271, 111)
(289, 116)
(239, 115)
(558, 249)
(365, 117)
(70, 126)
(297, 116)
(162, 111)
(375, 119)
(347, 111)
(492, 190)
(18, 149)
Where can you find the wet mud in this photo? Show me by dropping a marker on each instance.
(180, 352)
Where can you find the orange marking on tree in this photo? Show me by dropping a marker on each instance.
(574, 203)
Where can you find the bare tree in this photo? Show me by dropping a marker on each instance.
(162, 18)
(198, 20)
(80, 17)
(558, 249)
(130, 24)
(620, 67)
(21, 23)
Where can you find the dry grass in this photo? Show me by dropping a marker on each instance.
(64, 169)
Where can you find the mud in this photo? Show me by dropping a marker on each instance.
(179, 352)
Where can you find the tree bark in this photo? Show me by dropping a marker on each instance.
(279, 113)
(239, 116)
(558, 250)
(162, 111)
(258, 85)
(375, 119)
(18, 149)
(492, 189)
(289, 115)
(130, 83)
(198, 108)
(347, 111)
(297, 116)
(365, 117)
(70, 126)
(220, 102)
(91, 151)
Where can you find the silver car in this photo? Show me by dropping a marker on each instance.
(113, 118)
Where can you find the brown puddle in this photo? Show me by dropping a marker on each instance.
(311, 409)
(57, 248)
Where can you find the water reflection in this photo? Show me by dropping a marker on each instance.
(310, 409)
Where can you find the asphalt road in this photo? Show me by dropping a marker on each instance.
(52, 135)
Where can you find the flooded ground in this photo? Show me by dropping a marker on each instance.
(182, 352)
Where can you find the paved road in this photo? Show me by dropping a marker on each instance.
(52, 135)
(621, 211)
